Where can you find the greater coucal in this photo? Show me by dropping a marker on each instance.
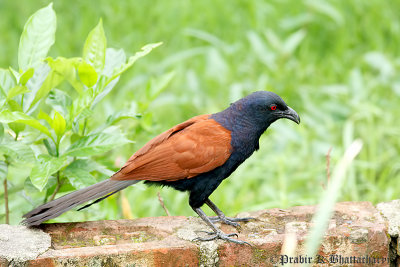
(194, 156)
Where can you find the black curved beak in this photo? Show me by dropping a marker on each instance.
(291, 114)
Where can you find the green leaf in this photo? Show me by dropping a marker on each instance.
(75, 137)
(44, 167)
(3, 98)
(37, 37)
(86, 113)
(14, 105)
(50, 147)
(17, 90)
(26, 76)
(102, 90)
(61, 68)
(94, 50)
(66, 68)
(293, 41)
(52, 80)
(121, 115)
(35, 83)
(15, 73)
(327, 9)
(18, 152)
(78, 173)
(16, 127)
(147, 121)
(7, 116)
(44, 116)
(87, 74)
(58, 124)
(145, 50)
(158, 85)
(95, 144)
(273, 40)
(102, 169)
(7, 81)
(261, 49)
(82, 103)
(381, 63)
(60, 101)
(114, 59)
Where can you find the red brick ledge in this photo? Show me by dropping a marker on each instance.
(357, 229)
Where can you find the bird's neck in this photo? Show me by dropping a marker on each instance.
(245, 131)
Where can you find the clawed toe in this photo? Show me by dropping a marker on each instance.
(215, 219)
(216, 233)
(233, 234)
(206, 232)
(226, 221)
(245, 219)
(213, 233)
(221, 235)
(230, 221)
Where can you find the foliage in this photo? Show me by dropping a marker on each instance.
(334, 62)
(45, 130)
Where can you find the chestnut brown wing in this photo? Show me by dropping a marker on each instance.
(193, 147)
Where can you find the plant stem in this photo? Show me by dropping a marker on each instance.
(59, 183)
(162, 204)
(6, 201)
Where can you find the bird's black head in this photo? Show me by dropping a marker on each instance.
(264, 108)
(250, 116)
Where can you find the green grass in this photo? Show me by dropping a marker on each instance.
(335, 62)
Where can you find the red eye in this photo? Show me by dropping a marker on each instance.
(272, 107)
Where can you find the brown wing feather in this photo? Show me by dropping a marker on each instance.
(186, 150)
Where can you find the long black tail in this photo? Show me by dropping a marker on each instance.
(60, 205)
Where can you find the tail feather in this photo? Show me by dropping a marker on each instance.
(60, 205)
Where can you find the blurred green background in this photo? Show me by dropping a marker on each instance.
(335, 62)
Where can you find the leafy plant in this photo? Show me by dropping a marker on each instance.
(46, 107)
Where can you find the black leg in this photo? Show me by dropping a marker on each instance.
(222, 218)
(216, 233)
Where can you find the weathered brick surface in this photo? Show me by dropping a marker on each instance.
(356, 230)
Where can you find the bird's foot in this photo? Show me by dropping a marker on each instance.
(230, 221)
(221, 235)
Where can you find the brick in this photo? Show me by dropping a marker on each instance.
(356, 230)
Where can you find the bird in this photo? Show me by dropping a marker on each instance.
(194, 156)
